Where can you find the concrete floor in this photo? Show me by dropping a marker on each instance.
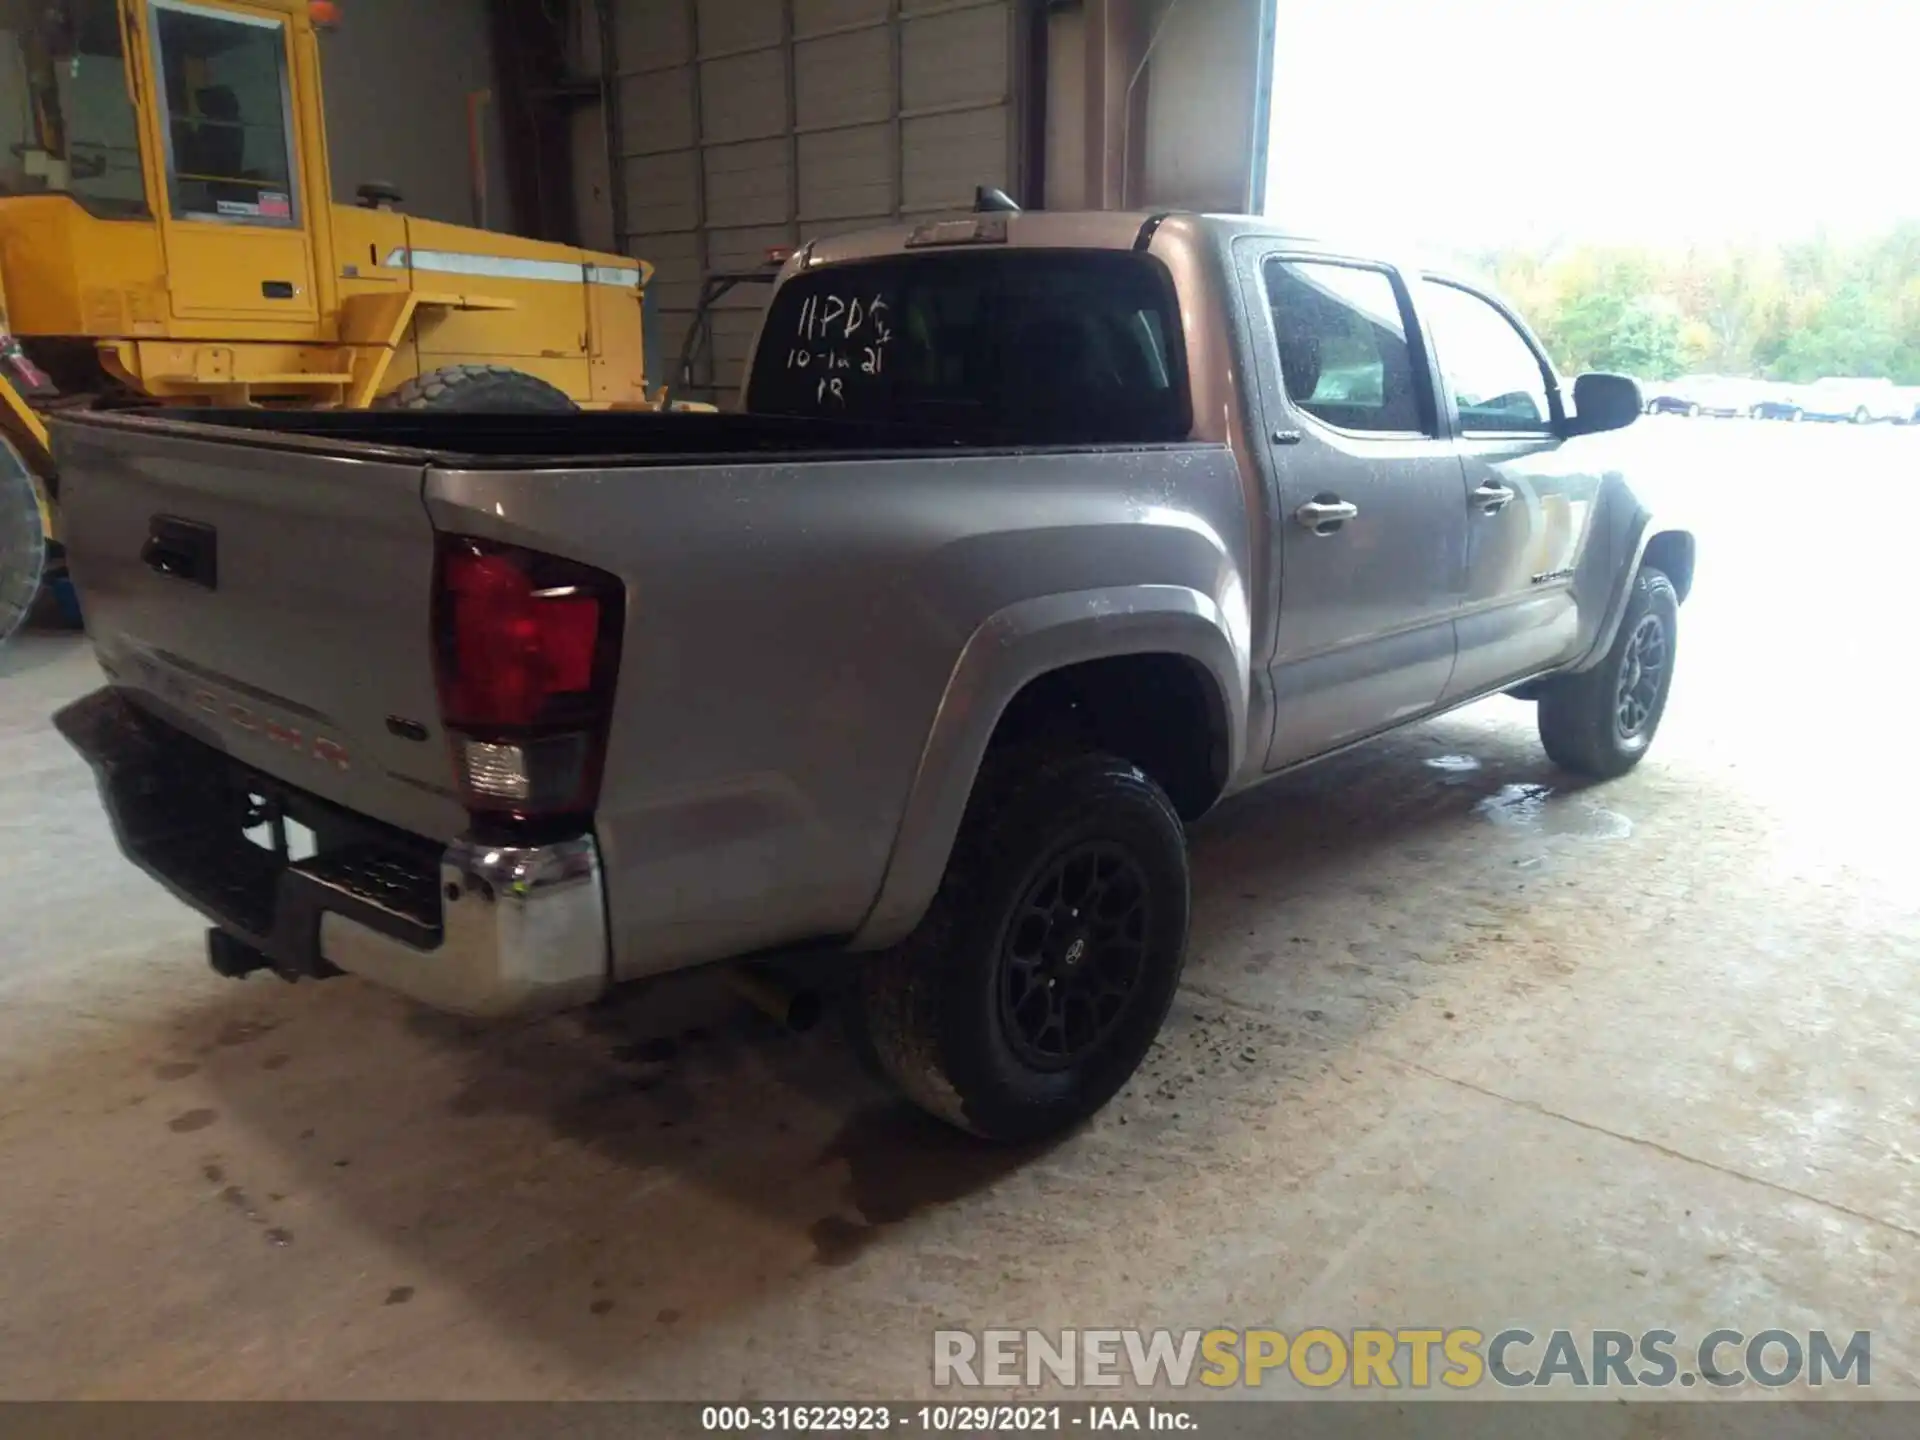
(1460, 1043)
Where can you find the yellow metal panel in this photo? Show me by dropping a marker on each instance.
(72, 274)
(172, 370)
(547, 322)
(618, 353)
(312, 164)
(549, 319)
(25, 429)
(363, 239)
(375, 323)
(375, 318)
(225, 270)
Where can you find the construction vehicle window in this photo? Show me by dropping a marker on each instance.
(225, 85)
(72, 128)
(1027, 347)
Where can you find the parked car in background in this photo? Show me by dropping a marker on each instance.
(1776, 400)
(1718, 395)
(1858, 401)
(1677, 397)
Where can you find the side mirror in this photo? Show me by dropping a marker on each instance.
(1604, 402)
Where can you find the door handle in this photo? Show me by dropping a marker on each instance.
(1490, 497)
(1325, 514)
(183, 550)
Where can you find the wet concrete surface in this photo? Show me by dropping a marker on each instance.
(1461, 1042)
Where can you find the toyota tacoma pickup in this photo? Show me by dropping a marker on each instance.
(1033, 536)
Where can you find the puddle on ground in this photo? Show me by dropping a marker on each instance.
(1536, 810)
(1453, 764)
(901, 1162)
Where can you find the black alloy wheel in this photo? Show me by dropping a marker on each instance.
(1643, 673)
(1073, 954)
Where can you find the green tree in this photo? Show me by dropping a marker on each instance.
(1796, 311)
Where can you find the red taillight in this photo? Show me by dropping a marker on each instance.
(527, 648)
(514, 649)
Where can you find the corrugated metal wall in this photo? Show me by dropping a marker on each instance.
(752, 123)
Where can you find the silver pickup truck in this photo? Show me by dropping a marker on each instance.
(1034, 536)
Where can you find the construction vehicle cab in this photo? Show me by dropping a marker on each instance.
(168, 233)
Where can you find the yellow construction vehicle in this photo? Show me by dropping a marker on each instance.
(168, 235)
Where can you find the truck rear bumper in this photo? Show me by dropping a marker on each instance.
(473, 928)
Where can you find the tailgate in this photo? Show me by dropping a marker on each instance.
(271, 598)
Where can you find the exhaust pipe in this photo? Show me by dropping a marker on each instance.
(798, 1008)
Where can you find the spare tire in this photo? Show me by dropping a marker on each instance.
(23, 540)
(479, 390)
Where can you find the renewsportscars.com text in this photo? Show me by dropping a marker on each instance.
(1459, 1358)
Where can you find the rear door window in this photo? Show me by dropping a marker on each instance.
(1342, 333)
(1031, 347)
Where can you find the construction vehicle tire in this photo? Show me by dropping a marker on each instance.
(481, 390)
(23, 540)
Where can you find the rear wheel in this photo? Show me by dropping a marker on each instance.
(1601, 721)
(23, 540)
(1860, 416)
(1036, 982)
(480, 389)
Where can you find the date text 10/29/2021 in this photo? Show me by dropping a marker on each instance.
(947, 1419)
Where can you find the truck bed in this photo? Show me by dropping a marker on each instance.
(502, 441)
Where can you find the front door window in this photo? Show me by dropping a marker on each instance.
(1499, 384)
(224, 89)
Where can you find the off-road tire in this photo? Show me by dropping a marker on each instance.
(23, 541)
(930, 1012)
(1579, 715)
(480, 390)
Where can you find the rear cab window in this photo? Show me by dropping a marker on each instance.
(1013, 347)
